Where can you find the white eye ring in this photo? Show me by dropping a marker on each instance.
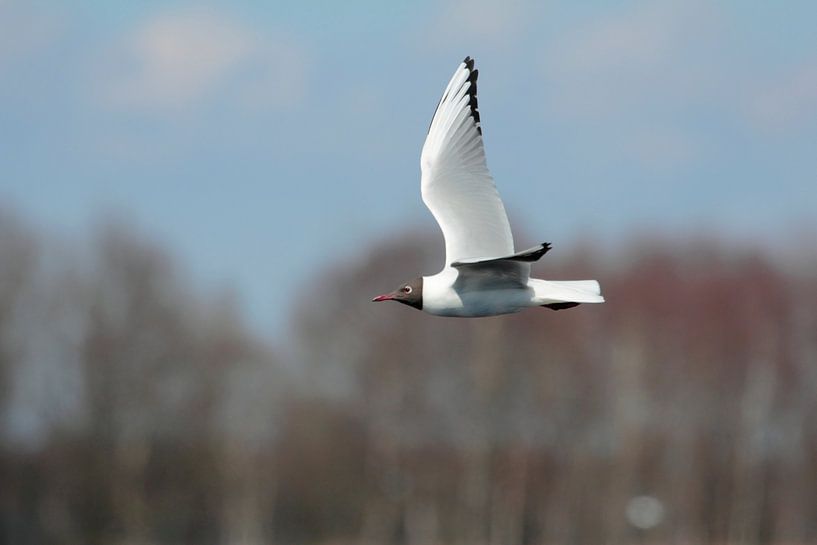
(406, 289)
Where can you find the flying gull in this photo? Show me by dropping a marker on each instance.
(483, 275)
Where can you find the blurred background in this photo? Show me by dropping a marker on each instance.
(198, 200)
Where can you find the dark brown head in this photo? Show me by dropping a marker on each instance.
(410, 293)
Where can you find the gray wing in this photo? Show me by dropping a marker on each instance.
(511, 271)
(492, 275)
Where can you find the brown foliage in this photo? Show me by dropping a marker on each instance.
(680, 410)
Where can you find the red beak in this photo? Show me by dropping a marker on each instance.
(384, 297)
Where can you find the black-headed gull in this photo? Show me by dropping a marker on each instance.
(483, 276)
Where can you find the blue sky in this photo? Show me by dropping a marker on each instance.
(261, 141)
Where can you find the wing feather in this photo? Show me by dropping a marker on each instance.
(456, 184)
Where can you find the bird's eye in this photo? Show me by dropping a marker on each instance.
(406, 289)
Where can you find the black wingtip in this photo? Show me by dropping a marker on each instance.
(472, 92)
(536, 253)
(473, 79)
(533, 254)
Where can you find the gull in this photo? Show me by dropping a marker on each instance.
(483, 274)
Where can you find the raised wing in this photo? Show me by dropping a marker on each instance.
(456, 184)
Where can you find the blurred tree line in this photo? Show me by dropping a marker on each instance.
(135, 409)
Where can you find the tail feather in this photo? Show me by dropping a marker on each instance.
(590, 286)
(566, 293)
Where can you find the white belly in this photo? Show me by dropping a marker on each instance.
(484, 304)
(480, 303)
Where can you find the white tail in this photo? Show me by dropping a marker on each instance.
(566, 291)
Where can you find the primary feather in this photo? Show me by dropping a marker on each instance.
(456, 184)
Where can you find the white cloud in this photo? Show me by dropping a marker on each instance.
(788, 103)
(631, 75)
(180, 59)
(652, 54)
(644, 69)
(24, 30)
(276, 79)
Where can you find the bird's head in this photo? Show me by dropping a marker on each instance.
(409, 293)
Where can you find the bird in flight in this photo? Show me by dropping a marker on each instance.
(483, 275)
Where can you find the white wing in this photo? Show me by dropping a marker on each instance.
(456, 184)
